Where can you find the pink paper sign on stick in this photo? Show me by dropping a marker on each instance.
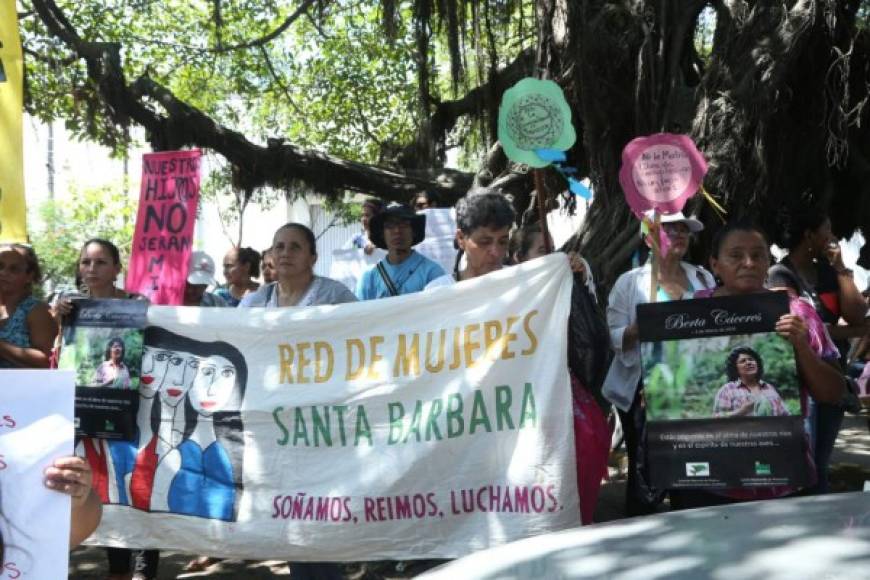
(164, 226)
(661, 172)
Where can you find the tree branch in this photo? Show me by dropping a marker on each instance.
(303, 8)
(278, 164)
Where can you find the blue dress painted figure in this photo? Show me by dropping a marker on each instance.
(204, 484)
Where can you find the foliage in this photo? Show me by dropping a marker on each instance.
(100, 212)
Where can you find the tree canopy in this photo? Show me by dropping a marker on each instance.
(368, 96)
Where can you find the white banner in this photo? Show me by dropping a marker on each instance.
(36, 427)
(424, 426)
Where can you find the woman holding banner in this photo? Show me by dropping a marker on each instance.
(295, 253)
(27, 330)
(677, 280)
(740, 259)
(585, 362)
(294, 249)
(483, 225)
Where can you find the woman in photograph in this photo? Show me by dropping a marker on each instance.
(746, 395)
(113, 372)
(295, 252)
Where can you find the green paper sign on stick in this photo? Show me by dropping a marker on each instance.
(534, 115)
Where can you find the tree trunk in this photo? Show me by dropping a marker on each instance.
(775, 108)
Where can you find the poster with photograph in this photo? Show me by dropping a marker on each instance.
(102, 343)
(722, 394)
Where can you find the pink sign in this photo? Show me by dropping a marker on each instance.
(661, 172)
(164, 226)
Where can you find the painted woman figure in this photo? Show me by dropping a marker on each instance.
(192, 463)
(113, 372)
(207, 482)
(171, 371)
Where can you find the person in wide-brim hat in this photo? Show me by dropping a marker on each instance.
(417, 221)
(397, 230)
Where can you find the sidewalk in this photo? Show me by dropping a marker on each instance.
(850, 469)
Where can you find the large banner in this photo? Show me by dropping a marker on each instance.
(36, 412)
(12, 211)
(722, 394)
(424, 426)
(164, 225)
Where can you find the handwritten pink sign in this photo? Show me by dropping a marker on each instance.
(164, 226)
(661, 172)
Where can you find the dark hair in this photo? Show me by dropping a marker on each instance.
(808, 220)
(486, 208)
(113, 341)
(106, 245)
(29, 258)
(251, 257)
(431, 198)
(376, 204)
(229, 430)
(740, 225)
(731, 363)
(264, 252)
(306, 231)
(522, 240)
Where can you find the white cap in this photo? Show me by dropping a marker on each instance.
(201, 270)
(693, 224)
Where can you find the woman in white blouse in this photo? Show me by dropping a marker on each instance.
(677, 280)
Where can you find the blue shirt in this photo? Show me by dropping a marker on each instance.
(410, 276)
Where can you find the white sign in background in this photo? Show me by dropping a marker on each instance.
(429, 425)
(349, 264)
(36, 427)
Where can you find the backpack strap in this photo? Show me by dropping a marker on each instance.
(391, 287)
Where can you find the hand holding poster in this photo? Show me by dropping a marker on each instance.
(424, 426)
(722, 394)
(35, 428)
(164, 226)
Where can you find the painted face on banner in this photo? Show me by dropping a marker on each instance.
(180, 371)
(213, 386)
(155, 361)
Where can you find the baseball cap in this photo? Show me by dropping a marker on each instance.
(201, 270)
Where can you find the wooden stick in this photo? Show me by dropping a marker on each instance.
(542, 213)
(654, 257)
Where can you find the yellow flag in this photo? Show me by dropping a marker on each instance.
(12, 212)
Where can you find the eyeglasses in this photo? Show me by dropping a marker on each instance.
(421, 205)
(676, 229)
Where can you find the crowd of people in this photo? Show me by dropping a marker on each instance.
(605, 374)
